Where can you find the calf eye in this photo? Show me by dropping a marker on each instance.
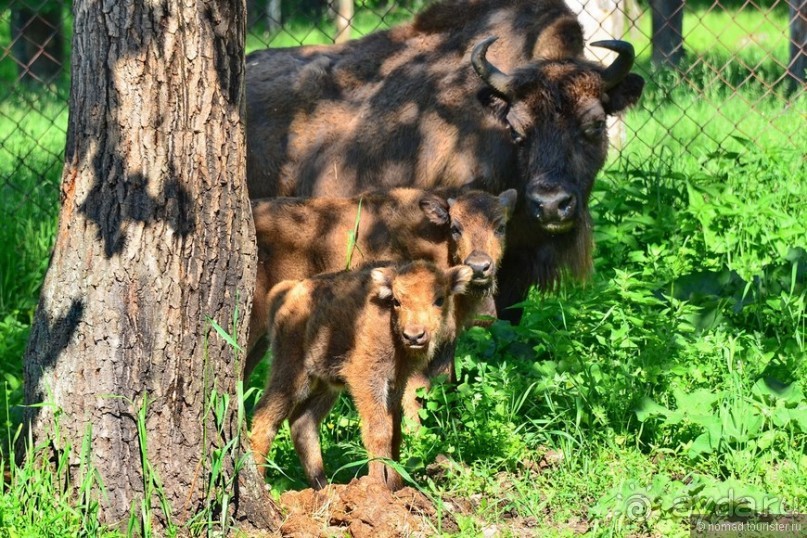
(501, 229)
(396, 303)
(455, 231)
(439, 302)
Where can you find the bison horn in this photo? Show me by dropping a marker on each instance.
(488, 72)
(619, 68)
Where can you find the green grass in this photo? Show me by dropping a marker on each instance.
(31, 145)
(672, 383)
(750, 33)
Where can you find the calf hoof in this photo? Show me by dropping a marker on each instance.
(318, 482)
(383, 474)
(392, 479)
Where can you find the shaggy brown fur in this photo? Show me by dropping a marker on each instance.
(404, 107)
(298, 238)
(365, 330)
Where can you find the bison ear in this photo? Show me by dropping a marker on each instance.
(624, 94)
(435, 209)
(560, 40)
(382, 278)
(459, 277)
(507, 199)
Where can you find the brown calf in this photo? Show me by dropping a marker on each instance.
(298, 238)
(366, 330)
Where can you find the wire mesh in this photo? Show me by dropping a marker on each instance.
(719, 73)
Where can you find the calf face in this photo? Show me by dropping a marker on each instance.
(478, 224)
(419, 298)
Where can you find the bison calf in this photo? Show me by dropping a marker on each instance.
(366, 330)
(298, 238)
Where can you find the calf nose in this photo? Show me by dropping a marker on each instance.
(554, 207)
(481, 264)
(415, 336)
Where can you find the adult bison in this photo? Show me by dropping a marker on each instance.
(422, 105)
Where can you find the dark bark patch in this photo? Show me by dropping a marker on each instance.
(58, 334)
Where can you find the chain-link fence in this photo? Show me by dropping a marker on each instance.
(720, 72)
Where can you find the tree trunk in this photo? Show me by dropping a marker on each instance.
(37, 40)
(668, 32)
(155, 235)
(602, 19)
(344, 19)
(798, 42)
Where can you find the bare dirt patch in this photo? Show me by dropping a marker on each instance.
(363, 509)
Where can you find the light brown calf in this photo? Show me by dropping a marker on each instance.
(366, 330)
(299, 238)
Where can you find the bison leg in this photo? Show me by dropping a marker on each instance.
(380, 416)
(286, 384)
(272, 409)
(304, 422)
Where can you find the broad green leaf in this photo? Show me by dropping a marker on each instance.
(647, 408)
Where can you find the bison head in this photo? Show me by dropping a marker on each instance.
(478, 224)
(420, 295)
(555, 110)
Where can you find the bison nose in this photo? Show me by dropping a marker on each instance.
(415, 336)
(555, 209)
(481, 264)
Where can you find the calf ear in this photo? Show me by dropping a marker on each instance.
(382, 278)
(624, 94)
(508, 200)
(458, 278)
(435, 209)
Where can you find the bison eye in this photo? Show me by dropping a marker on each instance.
(501, 229)
(439, 302)
(516, 137)
(594, 129)
(396, 303)
(455, 231)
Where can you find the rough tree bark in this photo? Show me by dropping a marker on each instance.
(798, 42)
(37, 40)
(668, 32)
(155, 234)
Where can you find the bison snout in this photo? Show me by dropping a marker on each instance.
(415, 337)
(556, 210)
(482, 266)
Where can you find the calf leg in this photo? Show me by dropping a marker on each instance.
(286, 382)
(380, 415)
(272, 409)
(304, 421)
